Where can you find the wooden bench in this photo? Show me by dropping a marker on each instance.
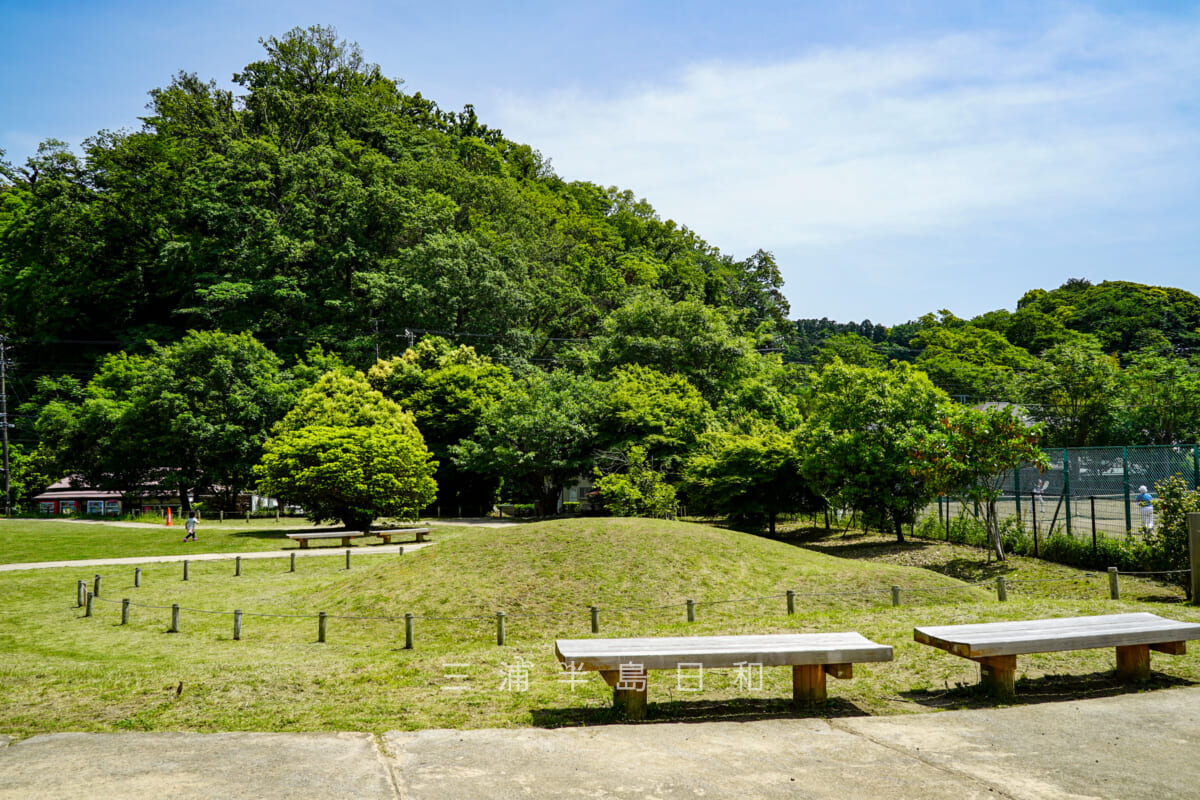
(623, 663)
(345, 536)
(996, 645)
(419, 533)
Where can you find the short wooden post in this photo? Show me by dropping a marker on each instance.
(630, 689)
(1001, 588)
(998, 675)
(237, 625)
(1133, 662)
(185, 569)
(347, 559)
(321, 626)
(222, 516)
(80, 593)
(137, 577)
(1093, 502)
(293, 565)
(808, 684)
(1194, 556)
(791, 602)
(595, 619)
(87, 607)
(500, 628)
(400, 550)
(691, 610)
(237, 566)
(174, 619)
(1114, 585)
(895, 595)
(408, 630)
(125, 611)
(247, 517)
(96, 586)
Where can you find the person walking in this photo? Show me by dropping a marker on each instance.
(190, 527)
(1145, 503)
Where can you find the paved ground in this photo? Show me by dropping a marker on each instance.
(1128, 747)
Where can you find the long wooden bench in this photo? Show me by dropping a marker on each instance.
(623, 663)
(419, 533)
(996, 645)
(305, 537)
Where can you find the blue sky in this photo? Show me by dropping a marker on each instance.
(897, 158)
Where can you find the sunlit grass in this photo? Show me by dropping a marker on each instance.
(62, 671)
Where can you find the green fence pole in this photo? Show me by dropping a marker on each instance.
(1067, 488)
(1125, 483)
(1196, 466)
(1017, 490)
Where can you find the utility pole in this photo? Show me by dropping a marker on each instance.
(4, 423)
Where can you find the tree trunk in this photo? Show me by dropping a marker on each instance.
(771, 523)
(899, 525)
(185, 504)
(993, 529)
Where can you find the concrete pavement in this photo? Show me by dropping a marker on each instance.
(1130, 747)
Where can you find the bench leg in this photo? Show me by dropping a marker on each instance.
(1133, 662)
(629, 692)
(420, 536)
(345, 541)
(808, 684)
(304, 544)
(998, 675)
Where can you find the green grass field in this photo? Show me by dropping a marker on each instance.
(32, 540)
(62, 671)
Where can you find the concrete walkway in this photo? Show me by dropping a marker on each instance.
(1130, 747)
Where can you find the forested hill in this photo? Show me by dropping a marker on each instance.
(322, 204)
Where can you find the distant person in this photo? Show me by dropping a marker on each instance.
(1039, 495)
(190, 527)
(1145, 503)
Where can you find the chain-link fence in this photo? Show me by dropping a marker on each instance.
(1086, 490)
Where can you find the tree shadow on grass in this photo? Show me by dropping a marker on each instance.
(1044, 689)
(743, 710)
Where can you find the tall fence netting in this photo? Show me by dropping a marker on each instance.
(1086, 490)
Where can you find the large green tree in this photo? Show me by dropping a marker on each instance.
(538, 438)
(346, 453)
(753, 477)
(189, 416)
(971, 452)
(852, 444)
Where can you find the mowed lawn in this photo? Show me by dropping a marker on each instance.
(33, 540)
(62, 671)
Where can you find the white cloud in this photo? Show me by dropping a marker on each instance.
(916, 138)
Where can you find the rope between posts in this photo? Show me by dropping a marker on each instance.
(1159, 572)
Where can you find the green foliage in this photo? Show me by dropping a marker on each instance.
(968, 360)
(684, 338)
(854, 444)
(850, 348)
(345, 453)
(538, 437)
(663, 415)
(1168, 541)
(970, 454)
(447, 390)
(753, 477)
(190, 415)
(1122, 315)
(1072, 389)
(350, 474)
(639, 491)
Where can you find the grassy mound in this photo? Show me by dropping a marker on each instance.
(562, 566)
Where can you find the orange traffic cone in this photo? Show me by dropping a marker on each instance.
(168, 516)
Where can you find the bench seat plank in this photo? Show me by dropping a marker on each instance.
(985, 640)
(715, 652)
